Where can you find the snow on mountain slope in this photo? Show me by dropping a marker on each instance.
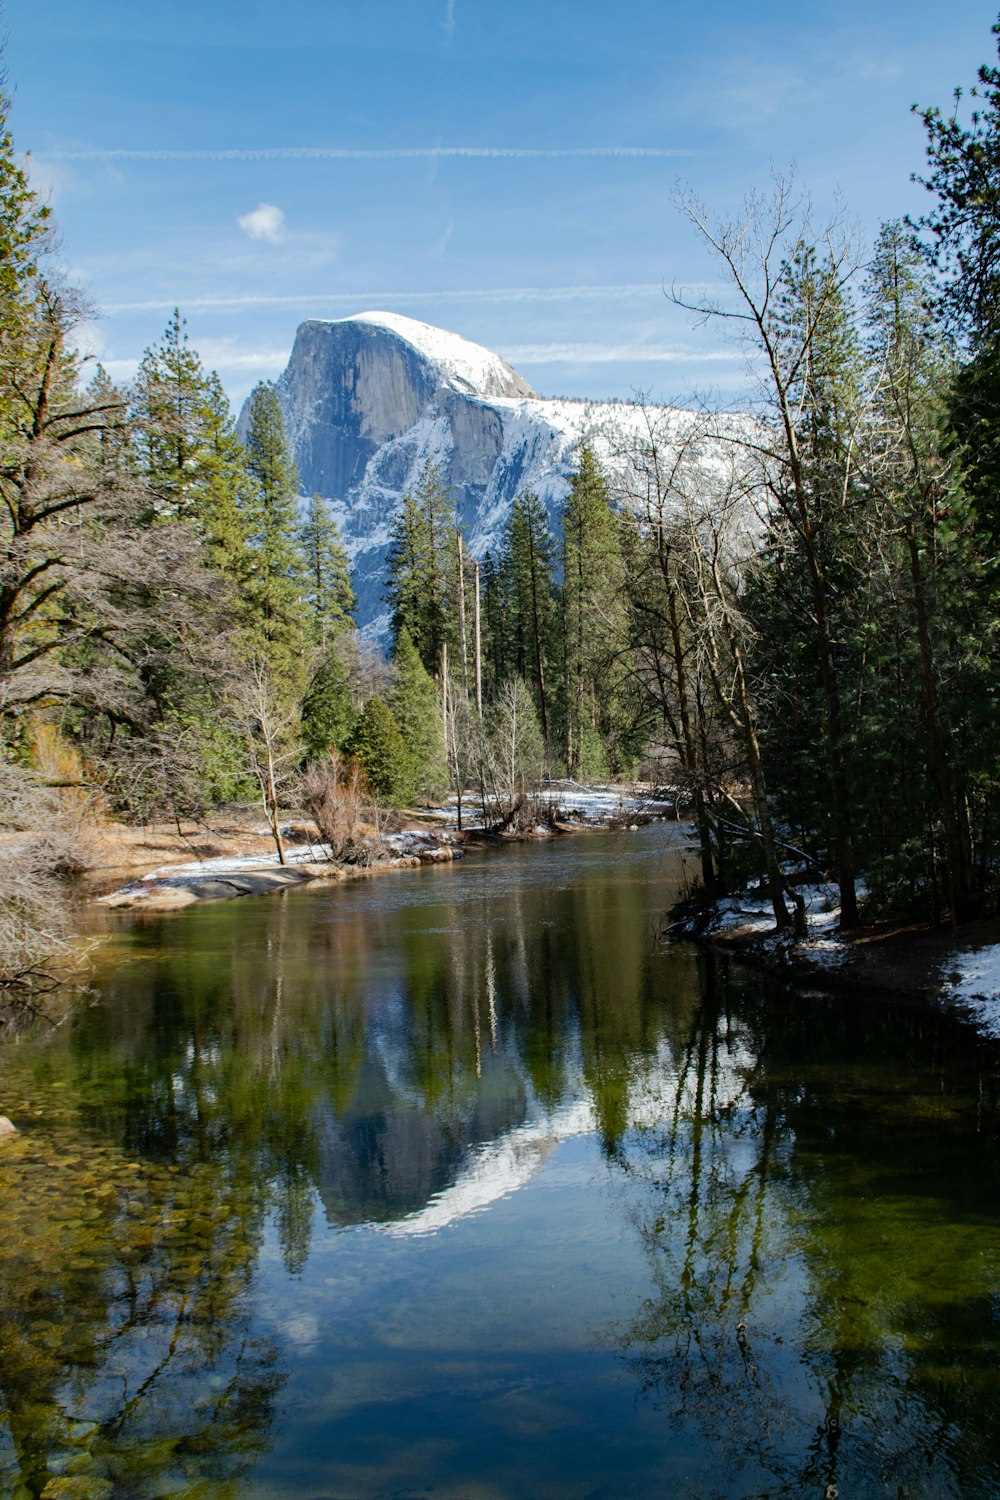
(464, 365)
(370, 400)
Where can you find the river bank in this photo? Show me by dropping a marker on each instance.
(168, 866)
(913, 962)
(248, 871)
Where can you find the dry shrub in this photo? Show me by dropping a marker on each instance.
(55, 821)
(33, 923)
(338, 798)
(41, 844)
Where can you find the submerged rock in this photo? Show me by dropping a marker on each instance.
(7, 1127)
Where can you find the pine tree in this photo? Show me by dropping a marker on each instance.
(327, 712)
(796, 316)
(187, 451)
(275, 586)
(222, 515)
(168, 417)
(496, 656)
(328, 591)
(421, 569)
(598, 717)
(816, 523)
(936, 590)
(417, 709)
(377, 742)
(528, 581)
(964, 225)
(964, 242)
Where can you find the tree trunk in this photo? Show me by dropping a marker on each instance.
(479, 651)
(536, 631)
(960, 882)
(462, 635)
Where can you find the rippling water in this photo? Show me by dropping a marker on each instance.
(452, 1183)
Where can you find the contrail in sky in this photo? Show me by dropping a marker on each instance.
(383, 299)
(348, 153)
(601, 354)
(532, 354)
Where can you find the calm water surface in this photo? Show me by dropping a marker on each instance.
(452, 1184)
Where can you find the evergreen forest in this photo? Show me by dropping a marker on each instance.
(791, 618)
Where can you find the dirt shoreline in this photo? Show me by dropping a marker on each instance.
(161, 868)
(158, 869)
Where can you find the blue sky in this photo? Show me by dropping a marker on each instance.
(256, 164)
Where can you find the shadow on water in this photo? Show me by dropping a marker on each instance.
(453, 1182)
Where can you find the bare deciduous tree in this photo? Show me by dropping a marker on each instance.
(787, 295)
(269, 729)
(513, 756)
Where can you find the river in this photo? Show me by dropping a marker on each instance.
(455, 1183)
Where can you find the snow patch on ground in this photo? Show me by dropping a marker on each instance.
(972, 979)
(569, 801)
(423, 842)
(232, 864)
(752, 911)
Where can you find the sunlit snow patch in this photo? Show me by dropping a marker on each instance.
(973, 979)
(752, 911)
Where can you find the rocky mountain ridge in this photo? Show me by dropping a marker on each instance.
(369, 400)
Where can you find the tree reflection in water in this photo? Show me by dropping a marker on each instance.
(813, 1184)
(814, 1322)
(127, 1360)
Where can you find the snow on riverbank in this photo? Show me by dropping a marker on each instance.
(971, 979)
(750, 914)
(436, 840)
(912, 961)
(570, 801)
(257, 873)
(232, 864)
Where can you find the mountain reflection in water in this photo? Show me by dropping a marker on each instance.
(414, 1186)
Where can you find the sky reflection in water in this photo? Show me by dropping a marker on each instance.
(452, 1183)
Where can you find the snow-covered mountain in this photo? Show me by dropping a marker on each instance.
(369, 399)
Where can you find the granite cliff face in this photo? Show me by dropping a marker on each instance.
(368, 400)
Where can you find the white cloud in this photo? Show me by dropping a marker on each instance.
(265, 222)
(120, 369)
(47, 178)
(225, 354)
(88, 341)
